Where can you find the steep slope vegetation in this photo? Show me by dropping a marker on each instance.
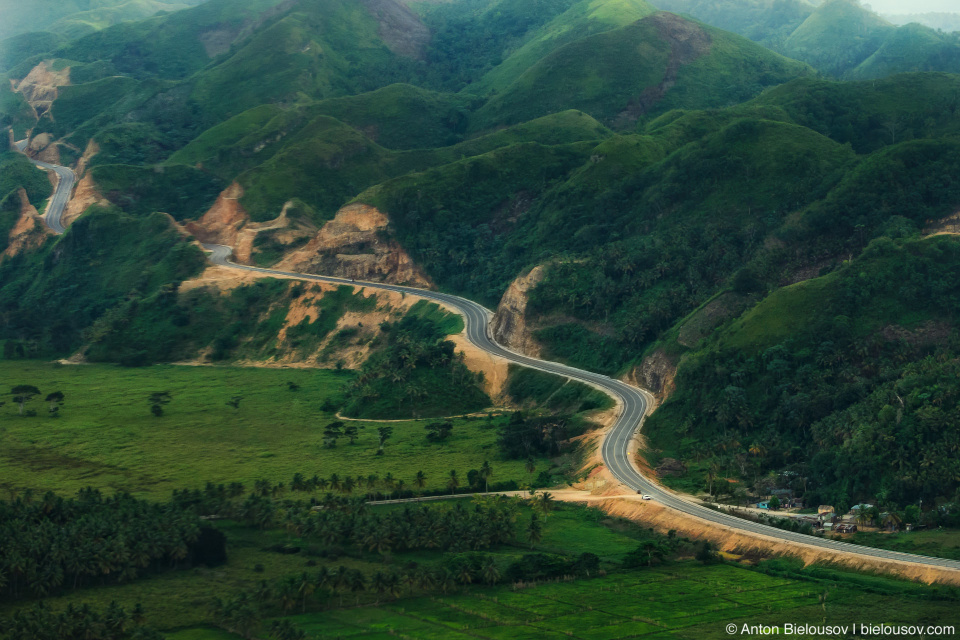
(871, 115)
(847, 382)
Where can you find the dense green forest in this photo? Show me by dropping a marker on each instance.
(417, 374)
(845, 383)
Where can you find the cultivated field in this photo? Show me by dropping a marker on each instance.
(688, 601)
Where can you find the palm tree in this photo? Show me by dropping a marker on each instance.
(299, 483)
(261, 487)
(892, 520)
(388, 482)
(322, 579)
(544, 503)
(446, 581)
(453, 481)
(306, 589)
(420, 481)
(342, 580)
(534, 530)
(379, 584)
(485, 472)
(490, 572)
(425, 579)
(409, 578)
(357, 582)
(287, 593)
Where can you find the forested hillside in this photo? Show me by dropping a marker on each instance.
(845, 382)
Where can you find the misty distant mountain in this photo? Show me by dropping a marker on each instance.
(947, 22)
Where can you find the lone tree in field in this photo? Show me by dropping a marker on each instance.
(383, 433)
(352, 432)
(330, 434)
(234, 402)
(156, 401)
(438, 431)
(54, 399)
(22, 394)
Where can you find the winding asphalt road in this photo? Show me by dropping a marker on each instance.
(54, 215)
(617, 443)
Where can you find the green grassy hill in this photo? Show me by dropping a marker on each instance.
(317, 49)
(582, 19)
(280, 154)
(837, 37)
(910, 48)
(651, 66)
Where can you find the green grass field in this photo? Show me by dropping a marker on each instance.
(107, 438)
(683, 601)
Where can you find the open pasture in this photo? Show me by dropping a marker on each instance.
(106, 436)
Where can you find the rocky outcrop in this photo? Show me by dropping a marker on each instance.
(85, 195)
(656, 373)
(40, 87)
(688, 41)
(353, 245)
(44, 148)
(29, 232)
(84, 163)
(223, 222)
(400, 28)
(671, 467)
(510, 322)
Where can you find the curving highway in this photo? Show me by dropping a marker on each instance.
(616, 445)
(67, 178)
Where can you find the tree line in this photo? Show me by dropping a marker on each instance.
(78, 623)
(53, 545)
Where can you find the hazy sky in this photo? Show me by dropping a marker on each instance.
(913, 6)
